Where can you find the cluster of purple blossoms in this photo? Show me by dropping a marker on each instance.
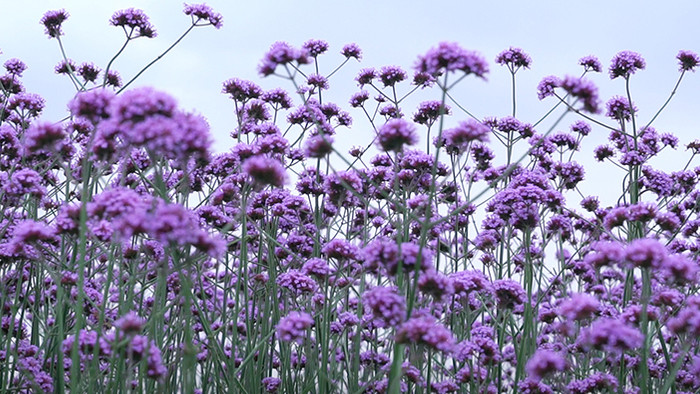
(450, 57)
(625, 64)
(133, 21)
(688, 60)
(292, 328)
(52, 21)
(203, 13)
(514, 59)
(396, 133)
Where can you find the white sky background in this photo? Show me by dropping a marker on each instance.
(555, 34)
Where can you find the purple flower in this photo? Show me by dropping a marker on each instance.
(113, 79)
(318, 146)
(44, 137)
(293, 326)
(426, 330)
(514, 58)
(545, 362)
(281, 53)
(88, 71)
(131, 323)
(546, 86)
(241, 90)
(15, 67)
(52, 21)
(611, 335)
(386, 305)
(450, 57)
(687, 60)
(597, 382)
(619, 108)
(65, 67)
(318, 81)
(625, 64)
(297, 282)
(271, 384)
(315, 47)
(583, 90)
(135, 20)
(203, 12)
(509, 293)
(581, 127)
(590, 63)
(27, 104)
(430, 111)
(645, 253)
(352, 50)
(265, 171)
(396, 133)
(358, 99)
(92, 105)
(457, 139)
(391, 75)
(366, 76)
(579, 307)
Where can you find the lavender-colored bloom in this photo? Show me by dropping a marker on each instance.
(509, 293)
(611, 335)
(318, 81)
(88, 71)
(514, 58)
(65, 67)
(590, 63)
(15, 67)
(625, 64)
(687, 321)
(315, 47)
(297, 282)
(687, 60)
(581, 128)
(645, 253)
(619, 108)
(271, 384)
(430, 111)
(387, 307)
(584, 90)
(427, 331)
(281, 53)
(352, 50)
(52, 21)
(457, 139)
(396, 133)
(278, 98)
(546, 87)
(293, 326)
(131, 323)
(391, 75)
(318, 146)
(450, 57)
(545, 362)
(203, 12)
(135, 20)
(241, 90)
(26, 104)
(597, 382)
(358, 99)
(681, 269)
(579, 307)
(92, 105)
(113, 79)
(44, 137)
(366, 76)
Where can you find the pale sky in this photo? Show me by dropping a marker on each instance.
(555, 34)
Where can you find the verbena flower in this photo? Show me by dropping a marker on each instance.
(133, 20)
(315, 47)
(352, 51)
(545, 362)
(619, 108)
(450, 57)
(590, 63)
(625, 64)
(514, 58)
(52, 21)
(292, 328)
(426, 331)
(265, 171)
(687, 60)
(396, 133)
(15, 67)
(611, 335)
(202, 12)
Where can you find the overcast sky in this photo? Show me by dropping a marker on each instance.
(555, 33)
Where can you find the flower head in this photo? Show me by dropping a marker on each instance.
(450, 57)
(625, 64)
(265, 171)
(52, 21)
(203, 12)
(687, 60)
(134, 19)
(590, 63)
(395, 134)
(514, 58)
(352, 50)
